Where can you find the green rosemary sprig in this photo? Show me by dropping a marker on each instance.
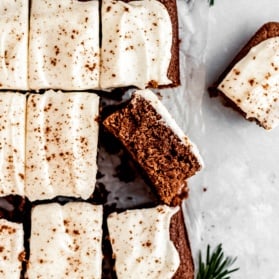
(211, 2)
(216, 265)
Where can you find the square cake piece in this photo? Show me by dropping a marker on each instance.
(250, 84)
(64, 50)
(139, 44)
(12, 252)
(157, 144)
(61, 145)
(150, 243)
(66, 241)
(12, 143)
(14, 42)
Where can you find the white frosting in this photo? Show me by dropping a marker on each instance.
(61, 144)
(66, 241)
(141, 243)
(253, 83)
(12, 143)
(169, 120)
(136, 43)
(11, 249)
(13, 44)
(64, 45)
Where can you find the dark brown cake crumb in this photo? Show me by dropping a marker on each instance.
(166, 161)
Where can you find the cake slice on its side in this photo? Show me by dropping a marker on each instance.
(157, 144)
(61, 145)
(150, 243)
(250, 83)
(14, 44)
(64, 47)
(12, 143)
(139, 44)
(12, 252)
(66, 241)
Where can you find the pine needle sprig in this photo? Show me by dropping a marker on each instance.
(216, 265)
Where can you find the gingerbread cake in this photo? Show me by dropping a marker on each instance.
(61, 145)
(64, 45)
(12, 252)
(251, 82)
(12, 143)
(139, 44)
(157, 144)
(150, 243)
(14, 44)
(66, 241)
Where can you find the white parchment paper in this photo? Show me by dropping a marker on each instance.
(240, 207)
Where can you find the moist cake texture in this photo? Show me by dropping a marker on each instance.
(13, 46)
(157, 144)
(141, 243)
(66, 241)
(12, 143)
(11, 249)
(64, 45)
(139, 44)
(61, 145)
(251, 82)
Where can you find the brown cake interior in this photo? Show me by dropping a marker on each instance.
(178, 235)
(166, 161)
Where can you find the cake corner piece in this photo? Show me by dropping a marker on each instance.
(250, 83)
(160, 235)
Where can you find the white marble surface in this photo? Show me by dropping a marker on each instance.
(240, 207)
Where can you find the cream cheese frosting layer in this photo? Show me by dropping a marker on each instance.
(13, 44)
(64, 51)
(169, 121)
(253, 83)
(136, 44)
(12, 143)
(11, 249)
(61, 144)
(66, 241)
(141, 243)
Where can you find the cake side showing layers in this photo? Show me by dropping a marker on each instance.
(142, 244)
(139, 44)
(61, 145)
(251, 82)
(12, 252)
(157, 144)
(66, 241)
(12, 143)
(13, 46)
(64, 50)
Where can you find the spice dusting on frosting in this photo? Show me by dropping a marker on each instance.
(141, 243)
(64, 45)
(66, 241)
(13, 47)
(136, 44)
(253, 83)
(62, 126)
(12, 143)
(11, 249)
